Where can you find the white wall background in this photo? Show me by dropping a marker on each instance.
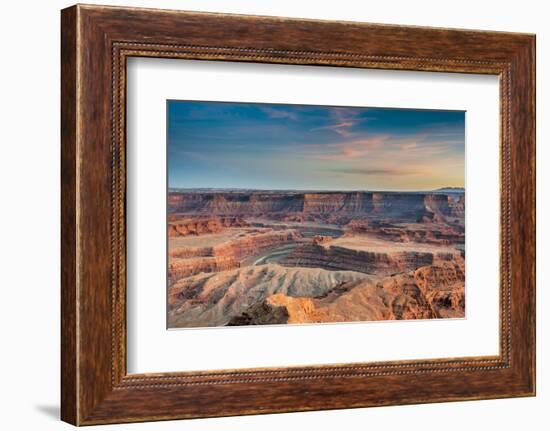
(29, 219)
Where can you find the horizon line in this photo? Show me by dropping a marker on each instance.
(318, 190)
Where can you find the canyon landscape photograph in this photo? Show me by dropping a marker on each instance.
(303, 214)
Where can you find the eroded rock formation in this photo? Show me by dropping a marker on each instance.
(187, 261)
(254, 257)
(434, 233)
(427, 293)
(332, 257)
(215, 299)
(331, 206)
(199, 226)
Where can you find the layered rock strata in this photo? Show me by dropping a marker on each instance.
(200, 226)
(335, 258)
(187, 261)
(439, 233)
(335, 206)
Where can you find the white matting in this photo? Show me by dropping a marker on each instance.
(152, 348)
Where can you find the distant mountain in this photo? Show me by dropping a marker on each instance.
(450, 190)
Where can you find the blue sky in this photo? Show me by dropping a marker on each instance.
(270, 146)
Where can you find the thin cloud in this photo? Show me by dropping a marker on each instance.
(314, 146)
(420, 147)
(279, 113)
(345, 150)
(343, 121)
(375, 171)
(341, 128)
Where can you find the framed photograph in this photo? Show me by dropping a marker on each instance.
(267, 215)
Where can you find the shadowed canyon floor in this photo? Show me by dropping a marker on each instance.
(255, 257)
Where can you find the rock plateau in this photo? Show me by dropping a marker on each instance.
(287, 257)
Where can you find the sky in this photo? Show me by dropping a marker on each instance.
(303, 147)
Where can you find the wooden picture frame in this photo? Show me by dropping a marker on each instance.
(95, 43)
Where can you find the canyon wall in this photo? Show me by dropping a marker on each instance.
(398, 205)
(199, 226)
(442, 234)
(314, 255)
(187, 261)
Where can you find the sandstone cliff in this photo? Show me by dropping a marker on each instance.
(427, 293)
(199, 226)
(327, 205)
(435, 233)
(215, 299)
(187, 261)
(326, 256)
